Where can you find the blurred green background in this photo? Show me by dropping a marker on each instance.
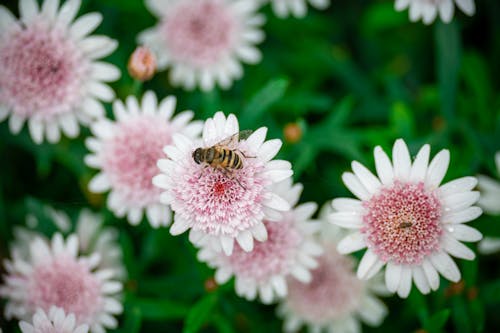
(352, 77)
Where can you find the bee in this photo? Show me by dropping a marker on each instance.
(223, 156)
(404, 225)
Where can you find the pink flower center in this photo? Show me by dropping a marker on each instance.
(41, 72)
(333, 293)
(221, 203)
(130, 158)
(68, 284)
(275, 256)
(402, 223)
(199, 32)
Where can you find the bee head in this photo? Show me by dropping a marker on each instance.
(197, 155)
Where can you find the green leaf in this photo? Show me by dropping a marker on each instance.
(262, 100)
(436, 322)
(199, 314)
(448, 48)
(160, 309)
(402, 121)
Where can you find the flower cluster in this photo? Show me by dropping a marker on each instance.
(65, 284)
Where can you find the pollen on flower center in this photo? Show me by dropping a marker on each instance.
(131, 156)
(333, 292)
(402, 223)
(67, 284)
(268, 258)
(199, 32)
(219, 188)
(41, 71)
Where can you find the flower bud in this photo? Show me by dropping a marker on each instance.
(142, 64)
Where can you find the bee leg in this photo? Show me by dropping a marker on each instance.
(243, 154)
(226, 173)
(204, 168)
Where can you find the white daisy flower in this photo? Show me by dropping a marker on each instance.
(297, 8)
(289, 250)
(50, 75)
(428, 10)
(335, 300)
(55, 322)
(126, 151)
(204, 41)
(220, 205)
(490, 203)
(406, 220)
(57, 275)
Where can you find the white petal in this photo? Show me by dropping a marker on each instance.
(372, 311)
(36, 130)
(256, 139)
(401, 4)
(149, 103)
(68, 11)
(103, 71)
(401, 160)
(269, 149)
(460, 201)
(245, 240)
(446, 9)
(84, 25)
(419, 167)
(301, 274)
(179, 226)
(420, 280)
(431, 274)
(392, 276)
(463, 216)
(101, 91)
(405, 283)
(351, 243)
(384, 166)
(369, 260)
(437, 169)
(167, 107)
(443, 263)
(227, 244)
(467, 6)
(369, 181)
(349, 220)
(464, 233)
(259, 231)
(28, 9)
(355, 186)
(455, 248)
(279, 285)
(463, 184)
(278, 203)
(347, 204)
(100, 183)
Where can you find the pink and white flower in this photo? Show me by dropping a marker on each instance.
(428, 10)
(490, 203)
(56, 274)
(204, 41)
(50, 75)
(289, 250)
(335, 300)
(297, 8)
(126, 151)
(218, 207)
(408, 222)
(56, 321)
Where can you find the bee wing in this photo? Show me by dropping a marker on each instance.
(232, 140)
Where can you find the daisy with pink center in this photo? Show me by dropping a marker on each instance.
(56, 274)
(126, 151)
(56, 321)
(428, 10)
(289, 250)
(204, 41)
(50, 75)
(297, 8)
(221, 206)
(406, 220)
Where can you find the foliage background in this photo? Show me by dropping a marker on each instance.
(354, 76)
